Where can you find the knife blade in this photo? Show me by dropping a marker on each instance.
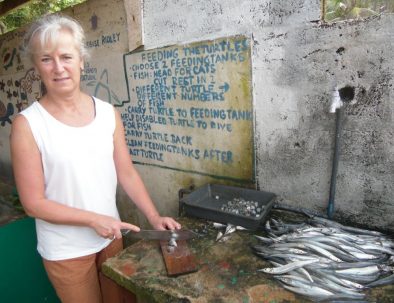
(147, 234)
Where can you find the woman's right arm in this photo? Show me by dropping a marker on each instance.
(29, 179)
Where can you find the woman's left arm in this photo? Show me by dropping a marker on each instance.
(132, 183)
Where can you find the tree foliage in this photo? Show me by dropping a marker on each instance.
(33, 10)
(337, 10)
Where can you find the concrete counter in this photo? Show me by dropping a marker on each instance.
(227, 272)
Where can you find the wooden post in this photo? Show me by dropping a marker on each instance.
(134, 17)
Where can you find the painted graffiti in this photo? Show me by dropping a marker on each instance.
(99, 84)
(6, 113)
(11, 58)
(8, 58)
(93, 21)
(182, 95)
(15, 92)
(105, 39)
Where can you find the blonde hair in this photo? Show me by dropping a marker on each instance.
(46, 31)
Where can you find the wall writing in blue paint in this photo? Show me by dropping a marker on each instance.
(190, 105)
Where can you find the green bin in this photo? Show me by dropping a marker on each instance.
(22, 275)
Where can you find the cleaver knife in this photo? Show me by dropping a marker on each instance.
(161, 235)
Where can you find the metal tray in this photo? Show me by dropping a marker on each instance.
(206, 202)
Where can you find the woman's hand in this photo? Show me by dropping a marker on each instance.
(162, 223)
(110, 228)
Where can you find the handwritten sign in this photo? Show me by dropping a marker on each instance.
(190, 107)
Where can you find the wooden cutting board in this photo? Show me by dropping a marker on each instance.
(180, 260)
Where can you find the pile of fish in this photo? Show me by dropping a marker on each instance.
(326, 261)
(228, 229)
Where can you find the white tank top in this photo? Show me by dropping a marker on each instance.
(79, 171)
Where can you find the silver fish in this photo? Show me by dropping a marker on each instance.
(288, 267)
(325, 260)
(382, 281)
(310, 291)
(369, 270)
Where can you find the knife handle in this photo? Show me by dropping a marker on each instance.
(125, 231)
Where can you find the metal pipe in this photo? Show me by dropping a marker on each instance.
(299, 210)
(335, 161)
(342, 97)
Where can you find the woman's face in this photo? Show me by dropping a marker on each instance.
(60, 65)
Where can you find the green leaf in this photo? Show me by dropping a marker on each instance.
(33, 10)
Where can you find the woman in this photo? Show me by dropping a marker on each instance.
(68, 151)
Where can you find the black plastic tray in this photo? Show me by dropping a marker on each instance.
(206, 202)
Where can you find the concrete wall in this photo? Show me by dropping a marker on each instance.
(298, 64)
